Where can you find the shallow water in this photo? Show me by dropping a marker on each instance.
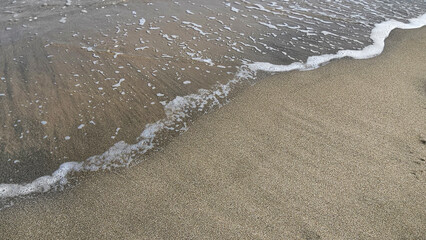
(80, 77)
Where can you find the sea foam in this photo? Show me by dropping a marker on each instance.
(379, 34)
(122, 154)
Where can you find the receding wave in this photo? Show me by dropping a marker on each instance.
(182, 107)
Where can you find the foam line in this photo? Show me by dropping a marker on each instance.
(41, 184)
(379, 34)
(122, 154)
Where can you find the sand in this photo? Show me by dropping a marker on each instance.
(334, 153)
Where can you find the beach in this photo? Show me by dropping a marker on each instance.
(89, 85)
(333, 153)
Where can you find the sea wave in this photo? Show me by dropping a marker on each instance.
(123, 154)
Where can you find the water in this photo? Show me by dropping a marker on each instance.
(97, 84)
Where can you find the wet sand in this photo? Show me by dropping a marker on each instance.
(334, 153)
(78, 77)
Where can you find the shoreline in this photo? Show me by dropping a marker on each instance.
(122, 154)
(329, 153)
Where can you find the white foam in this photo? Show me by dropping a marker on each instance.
(271, 26)
(379, 33)
(41, 184)
(142, 21)
(116, 54)
(235, 9)
(141, 48)
(196, 27)
(262, 8)
(204, 60)
(122, 154)
(119, 83)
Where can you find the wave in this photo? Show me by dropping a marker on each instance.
(123, 154)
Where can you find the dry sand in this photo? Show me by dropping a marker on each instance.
(334, 153)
